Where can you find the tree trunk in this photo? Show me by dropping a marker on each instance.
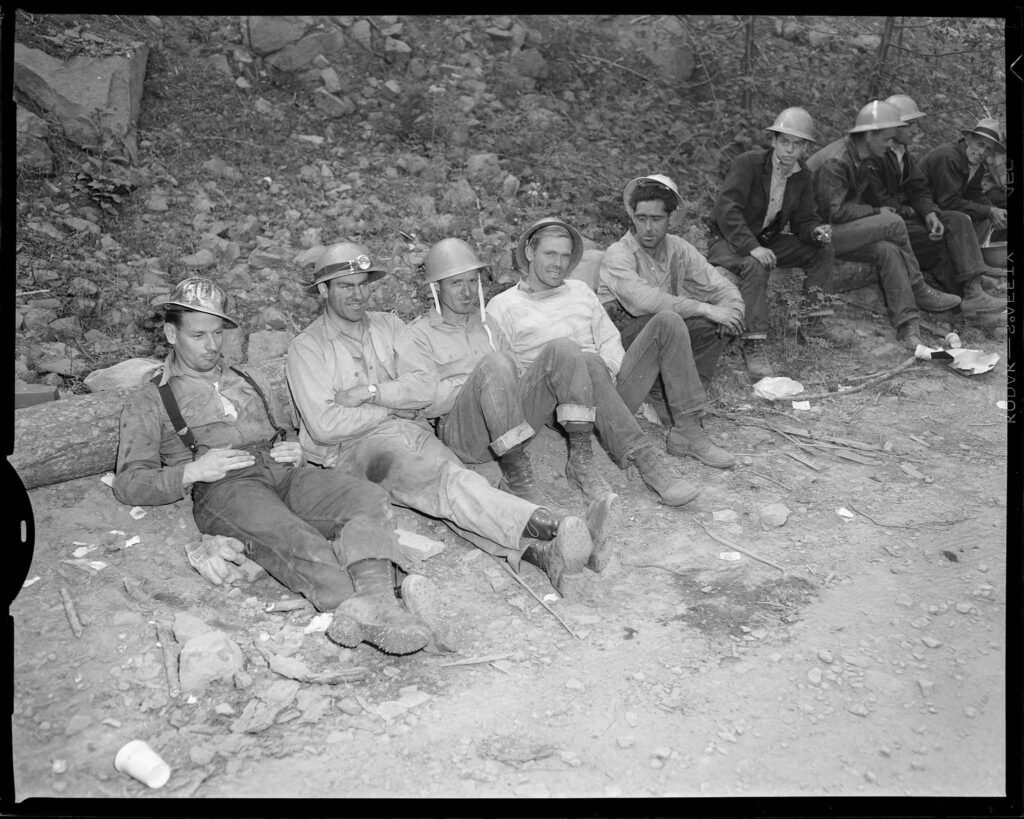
(883, 49)
(748, 60)
(76, 437)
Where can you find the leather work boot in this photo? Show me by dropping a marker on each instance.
(422, 597)
(687, 438)
(517, 474)
(755, 356)
(976, 300)
(909, 334)
(600, 515)
(935, 301)
(658, 475)
(344, 630)
(564, 547)
(382, 620)
(580, 469)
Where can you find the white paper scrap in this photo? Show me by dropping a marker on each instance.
(132, 541)
(319, 623)
(108, 479)
(801, 405)
(1001, 405)
(843, 512)
(137, 512)
(729, 555)
(82, 551)
(29, 582)
(549, 598)
(774, 388)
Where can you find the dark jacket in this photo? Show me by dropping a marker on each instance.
(904, 189)
(743, 202)
(952, 185)
(841, 182)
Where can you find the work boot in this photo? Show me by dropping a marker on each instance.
(659, 477)
(344, 630)
(580, 469)
(517, 474)
(909, 334)
(935, 301)
(382, 620)
(564, 547)
(687, 438)
(600, 516)
(976, 300)
(755, 356)
(422, 597)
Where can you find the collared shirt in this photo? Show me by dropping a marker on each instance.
(642, 282)
(954, 184)
(841, 178)
(529, 320)
(151, 457)
(444, 354)
(780, 174)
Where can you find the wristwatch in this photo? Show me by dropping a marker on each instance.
(372, 389)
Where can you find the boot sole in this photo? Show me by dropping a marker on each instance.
(423, 599)
(685, 499)
(389, 637)
(679, 453)
(348, 637)
(600, 515)
(573, 543)
(572, 477)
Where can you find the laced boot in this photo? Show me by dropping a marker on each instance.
(658, 475)
(517, 474)
(564, 547)
(383, 621)
(755, 356)
(580, 469)
(909, 334)
(976, 300)
(935, 301)
(423, 598)
(687, 438)
(600, 516)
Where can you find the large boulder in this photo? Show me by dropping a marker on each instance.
(265, 35)
(124, 375)
(34, 153)
(301, 53)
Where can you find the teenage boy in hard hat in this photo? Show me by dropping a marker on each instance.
(207, 427)
(955, 170)
(944, 241)
(862, 232)
(354, 415)
(546, 306)
(765, 216)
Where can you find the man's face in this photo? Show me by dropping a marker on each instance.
(197, 341)
(977, 150)
(789, 149)
(650, 219)
(549, 262)
(878, 142)
(908, 134)
(346, 296)
(458, 294)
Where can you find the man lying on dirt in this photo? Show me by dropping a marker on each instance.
(865, 233)
(944, 242)
(206, 426)
(355, 417)
(765, 216)
(482, 408)
(955, 171)
(546, 307)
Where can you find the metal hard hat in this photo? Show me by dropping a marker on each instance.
(200, 294)
(876, 116)
(988, 129)
(795, 122)
(344, 259)
(907, 108)
(656, 178)
(450, 257)
(524, 240)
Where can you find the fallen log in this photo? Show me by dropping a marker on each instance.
(77, 437)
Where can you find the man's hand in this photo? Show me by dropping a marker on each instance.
(213, 557)
(765, 256)
(353, 396)
(288, 452)
(935, 226)
(731, 322)
(215, 464)
(886, 209)
(403, 413)
(998, 218)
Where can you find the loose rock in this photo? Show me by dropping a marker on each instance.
(208, 657)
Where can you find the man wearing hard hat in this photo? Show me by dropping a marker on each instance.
(765, 217)
(356, 415)
(944, 241)
(862, 232)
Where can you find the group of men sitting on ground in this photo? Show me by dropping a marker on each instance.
(391, 413)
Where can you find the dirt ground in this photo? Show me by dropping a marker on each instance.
(874, 666)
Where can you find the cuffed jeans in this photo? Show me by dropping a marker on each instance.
(882, 240)
(497, 409)
(953, 260)
(816, 262)
(304, 525)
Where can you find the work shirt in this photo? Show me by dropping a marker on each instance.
(151, 457)
(530, 320)
(777, 188)
(954, 184)
(841, 179)
(642, 283)
(324, 359)
(897, 181)
(435, 351)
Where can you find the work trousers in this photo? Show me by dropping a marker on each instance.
(953, 260)
(304, 525)
(496, 408)
(882, 240)
(816, 262)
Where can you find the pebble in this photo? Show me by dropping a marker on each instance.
(926, 686)
(657, 763)
(970, 712)
(224, 708)
(825, 656)
(632, 719)
(113, 723)
(626, 741)
(814, 676)
(662, 752)
(775, 657)
(858, 709)
(983, 567)
(964, 608)
(59, 766)
(856, 660)
(931, 642)
(920, 622)
(574, 684)
(77, 723)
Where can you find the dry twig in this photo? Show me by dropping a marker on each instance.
(170, 660)
(475, 661)
(69, 610)
(877, 379)
(735, 548)
(533, 594)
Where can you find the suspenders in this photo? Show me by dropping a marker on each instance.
(182, 429)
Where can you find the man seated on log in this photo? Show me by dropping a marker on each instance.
(865, 233)
(765, 216)
(208, 427)
(354, 416)
(944, 241)
(546, 306)
(482, 408)
(955, 171)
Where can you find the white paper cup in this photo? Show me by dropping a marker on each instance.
(140, 761)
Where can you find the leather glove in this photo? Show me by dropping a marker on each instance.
(220, 559)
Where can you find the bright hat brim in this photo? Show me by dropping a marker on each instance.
(627, 191)
(995, 143)
(196, 309)
(372, 275)
(524, 240)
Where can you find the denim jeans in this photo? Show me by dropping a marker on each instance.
(497, 409)
(953, 260)
(304, 525)
(789, 252)
(882, 240)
